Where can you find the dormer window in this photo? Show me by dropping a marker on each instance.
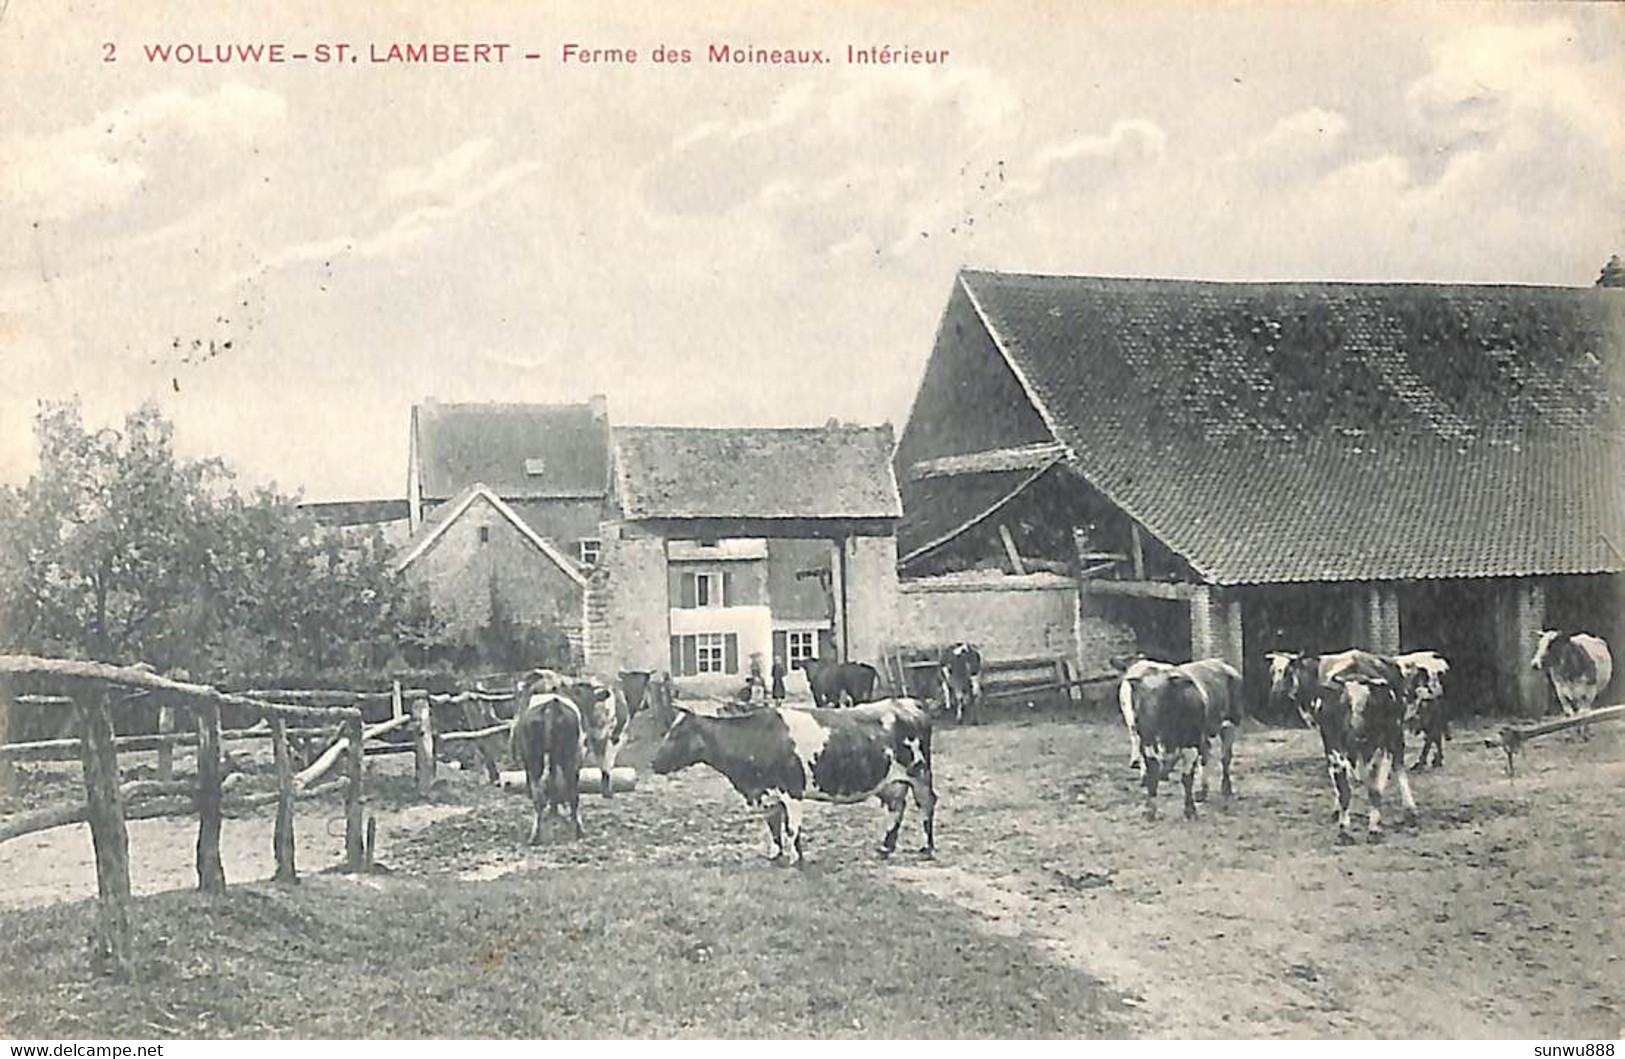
(535, 466)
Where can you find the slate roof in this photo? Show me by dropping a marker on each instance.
(1334, 431)
(445, 516)
(459, 444)
(354, 512)
(750, 472)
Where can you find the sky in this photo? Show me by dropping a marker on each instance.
(713, 244)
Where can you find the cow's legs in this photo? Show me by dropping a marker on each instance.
(1201, 771)
(1340, 770)
(1376, 783)
(1406, 798)
(575, 808)
(792, 823)
(1191, 759)
(894, 798)
(1149, 779)
(606, 764)
(773, 813)
(538, 802)
(1227, 749)
(925, 796)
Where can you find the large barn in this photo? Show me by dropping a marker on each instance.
(1234, 468)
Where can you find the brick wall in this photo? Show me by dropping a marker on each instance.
(631, 621)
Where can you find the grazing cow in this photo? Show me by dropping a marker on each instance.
(778, 756)
(1296, 679)
(1579, 667)
(1362, 728)
(839, 683)
(546, 740)
(961, 676)
(604, 715)
(1426, 711)
(1170, 720)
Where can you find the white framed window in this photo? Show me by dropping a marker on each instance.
(589, 549)
(708, 590)
(711, 651)
(800, 644)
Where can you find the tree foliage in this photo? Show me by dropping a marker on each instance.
(120, 550)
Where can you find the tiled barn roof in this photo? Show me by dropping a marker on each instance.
(1335, 431)
(745, 472)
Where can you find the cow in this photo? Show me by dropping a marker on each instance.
(546, 740)
(1426, 711)
(1170, 723)
(961, 680)
(604, 715)
(1362, 728)
(1295, 679)
(778, 756)
(838, 683)
(1219, 687)
(1125, 703)
(1579, 666)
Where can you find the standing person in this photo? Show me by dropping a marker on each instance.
(778, 681)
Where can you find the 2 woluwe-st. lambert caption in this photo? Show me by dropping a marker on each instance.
(463, 53)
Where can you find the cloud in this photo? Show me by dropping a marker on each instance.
(1080, 163)
(99, 165)
(448, 174)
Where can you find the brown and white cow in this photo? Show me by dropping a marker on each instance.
(1170, 723)
(1219, 687)
(1362, 728)
(1295, 679)
(778, 756)
(1579, 667)
(604, 715)
(1426, 710)
(546, 740)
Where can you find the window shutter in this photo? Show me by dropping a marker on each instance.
(781, 647)
(687, 595)
(691, 656)
(727, 588)
(730, 661)
(826, 644)
(677, 655)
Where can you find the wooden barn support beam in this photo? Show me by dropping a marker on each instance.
(1526, 617)
(107, 831)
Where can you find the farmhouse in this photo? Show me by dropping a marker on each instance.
(1235, 468)
(731, 542)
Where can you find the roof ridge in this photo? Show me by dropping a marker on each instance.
(1277, 283)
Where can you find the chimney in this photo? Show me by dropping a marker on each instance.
(1613, 273)
(599, 405)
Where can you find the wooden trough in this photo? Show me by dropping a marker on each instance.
(1513, 737)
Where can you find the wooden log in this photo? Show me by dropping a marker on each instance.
(131, 676)
(329, 757)
(166, 751)
(353, 851)
(621, 780)
(211, 871)
(423, 745)
(385, 749)
(1512, 737)
(19, 824)
(282, 835)
(105, 811)
(396, 705)
(479, 733)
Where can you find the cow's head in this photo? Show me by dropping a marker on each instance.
(1292, 683)
(684, 744)
(1546, 642)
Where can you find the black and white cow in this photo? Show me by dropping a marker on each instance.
(1362, 728)
(1218, 687)
(1579, 666)
(1296, 679)
(1170, 721)
(1426, 710)
(779, 756)
(961, 675)
(839, 683)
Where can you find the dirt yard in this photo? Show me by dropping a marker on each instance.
(1501, 915)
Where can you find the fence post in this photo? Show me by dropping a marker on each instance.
(211, 873)
(353, 847)
(395, 706)
(99, 758)
(166, 750)
(282, 840)
(423, 744)
(8, 772)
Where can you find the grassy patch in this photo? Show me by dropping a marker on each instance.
(576, 952)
